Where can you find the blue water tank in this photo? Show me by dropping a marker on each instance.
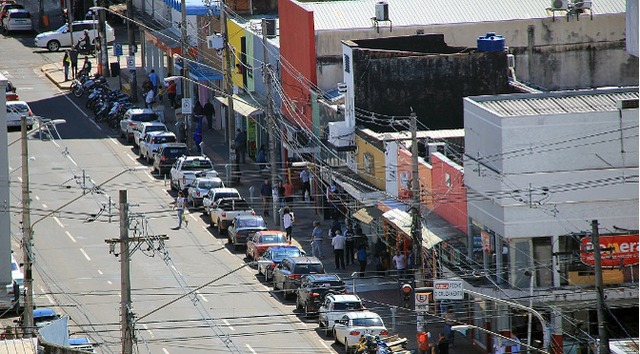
(490, 43)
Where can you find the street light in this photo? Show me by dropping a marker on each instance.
(463, 330)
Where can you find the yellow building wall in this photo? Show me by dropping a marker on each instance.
(371, 169)
(235, 35)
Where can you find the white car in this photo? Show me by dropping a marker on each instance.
(216, 193)
(336, 306)
(15, 111)
(17, 276)
(348, 329)
(147, 127)
(151, 142)
(17, 20)
(200, 187)
(132, 120)
(53, 40)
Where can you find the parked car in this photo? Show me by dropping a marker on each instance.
(5, 7)
(334, 307)
(167, 155)
(286, 276)
(187, 168)
(43, 316)
(132, 119)
(273, 256)
(147, 127)
(17, 278)
(348, 329)
(17, 109)
(262, 240)
(81, 343)
(17, 20)
(53, 40)
(152, 140)
(217, 193)
(200, 187)
(225, 210)
(313, 290)
(243, 227)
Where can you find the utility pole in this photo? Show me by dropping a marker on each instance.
(27, 315)
(228, 89)
(416, 225)
(69, 21)
(41, 23)
(270, 119)
(102, 28)
(186, 93)
(131, 34)
(602, 317)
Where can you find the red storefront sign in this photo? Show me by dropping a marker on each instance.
(486, 241)
(617, 250)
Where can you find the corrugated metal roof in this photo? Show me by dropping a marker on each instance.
(358, 13)
(19, 346)
(556, 102)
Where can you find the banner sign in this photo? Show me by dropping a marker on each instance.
(448, 290)
(616, 250)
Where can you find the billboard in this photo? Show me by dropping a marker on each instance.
(616, 250)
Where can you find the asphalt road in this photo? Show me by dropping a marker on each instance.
(76, 274)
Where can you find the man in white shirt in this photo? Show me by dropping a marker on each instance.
(338, 242)
(399, 261)
(149, 97)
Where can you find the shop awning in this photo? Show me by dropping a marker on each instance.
(241, 106)
(166, 40)
(358, 188)
(200, 72)
(367, 215)
(196, 7)
(402, 220)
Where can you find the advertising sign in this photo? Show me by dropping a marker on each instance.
(616, 250)
(486, 241)
(448, 290)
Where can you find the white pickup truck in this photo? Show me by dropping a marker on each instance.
(224, 210)
(334, 307)
(187, 168)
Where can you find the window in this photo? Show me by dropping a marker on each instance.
(347, 64)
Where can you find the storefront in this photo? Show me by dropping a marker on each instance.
(248, 117)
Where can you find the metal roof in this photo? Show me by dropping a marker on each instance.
(333, 15)
(561, 102)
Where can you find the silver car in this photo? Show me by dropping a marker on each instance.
(200, 187)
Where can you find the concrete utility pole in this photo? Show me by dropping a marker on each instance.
(416, 225)
(186, 93)
(270, 119)
(102, 28)
(131, 34)
(27, 315)
(602, 317)
(228, 88)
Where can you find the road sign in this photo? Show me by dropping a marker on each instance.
(131, 62)
(448, 290)
(422, 302)
(187, 108)
(117, 49)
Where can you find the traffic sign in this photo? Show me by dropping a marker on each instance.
(448, 290)
(422, 302)
(117, 49)
(187, 108)
(131, 62)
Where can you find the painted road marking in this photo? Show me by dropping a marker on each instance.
(109, 282)
(202, 296)
(44, 206)
(131, 157)
(228, 325)
(146, 328)
(193, 217)
(37, 198)
(114, 141)
(71, 237)
(58, 221)
(85, 255)
(47, 296)
(165, 351)
(324, 344)
(20, 179)
(100, 272)
(251, 349)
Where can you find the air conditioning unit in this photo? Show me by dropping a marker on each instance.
(581, 5)
(215, 41)
(559, 4)
(382, 11)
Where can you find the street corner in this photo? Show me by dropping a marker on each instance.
(54, 73)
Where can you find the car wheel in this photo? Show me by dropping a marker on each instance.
(260, 272)
(275, 285)
(328, 331)
(53, 46)
(346, 347)
(149, 159)
(211, 223)
(129, 139)
(220, 229)
(298, 304)
(266, 276)
(236, 247)
(335, 337)
(306, 312)
(121, 134)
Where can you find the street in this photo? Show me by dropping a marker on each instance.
(77, 275)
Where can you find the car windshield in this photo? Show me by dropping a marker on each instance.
(253, 222)
(328, 285)
(196, 165)
(144, 117)
(175, 152)
(280, 255)
(62, 29)
(45, 318)
(367, 322)
(308, 269)
(209, 184)
(17, 108)
(155, 128)
(279, 238)
(231, 204)
(164, 139)
(347, 306)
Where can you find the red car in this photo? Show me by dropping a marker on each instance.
(262, 240)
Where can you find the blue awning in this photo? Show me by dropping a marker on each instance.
(196, 7)
(201, 72)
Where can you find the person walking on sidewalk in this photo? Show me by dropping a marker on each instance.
(172, 90)
(153, 78)
(280, 193)
(287, 222)
(261, 157)
(349, 245)
(305, 178)
(423, 341)
(209, 112)
(362, 258)
(73, 56)
(399, 261)
(148, 98)
(443, 345)
(449, 321)
(265, 193)
(338, 249)
(288, 192)
(316, 240)
(180, 204)
(240, 143)
(66, 62)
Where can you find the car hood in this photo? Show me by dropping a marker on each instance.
(44, 34)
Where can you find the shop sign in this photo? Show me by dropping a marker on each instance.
(486, 241)
(617, 250)
(448, 290)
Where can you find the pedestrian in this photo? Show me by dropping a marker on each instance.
(261, 157)
(85, 41)
(66, 62)
(153, 78)
(180, 204)
(146, 85)
(73, 55)
(443, 344)
(148, 98)
(349, 246)
(449, 321)
(240, 143)
(88, 15)
(335, 227)
(288, 192)
(265, 193)
(515, 345)
(209, 112)
(287, 222)
(316, 240)
(197, 137)
(172, 89)
(280, 193)
(498, 346)
(362, 259)
(86, 66)
(423, 341)
(305, 178)
(338, 249)
(399, 260)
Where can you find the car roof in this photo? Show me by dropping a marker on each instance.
(346, 298)
(213, 179)
(138, 110)
(153, 123)
(224, 190)
(16, 103)
(195, 157)
(304, 259)
(43, 312)
(174, 145)
(362, 314)
(17, 10)
(249, 217)
(156, 133)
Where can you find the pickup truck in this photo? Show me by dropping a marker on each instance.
(334, 307)
(217, 193)
(187, 168)
(224, 210)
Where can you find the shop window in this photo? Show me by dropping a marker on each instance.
(542, 261)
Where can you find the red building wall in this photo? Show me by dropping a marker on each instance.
(450, 202)
(298, 57)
